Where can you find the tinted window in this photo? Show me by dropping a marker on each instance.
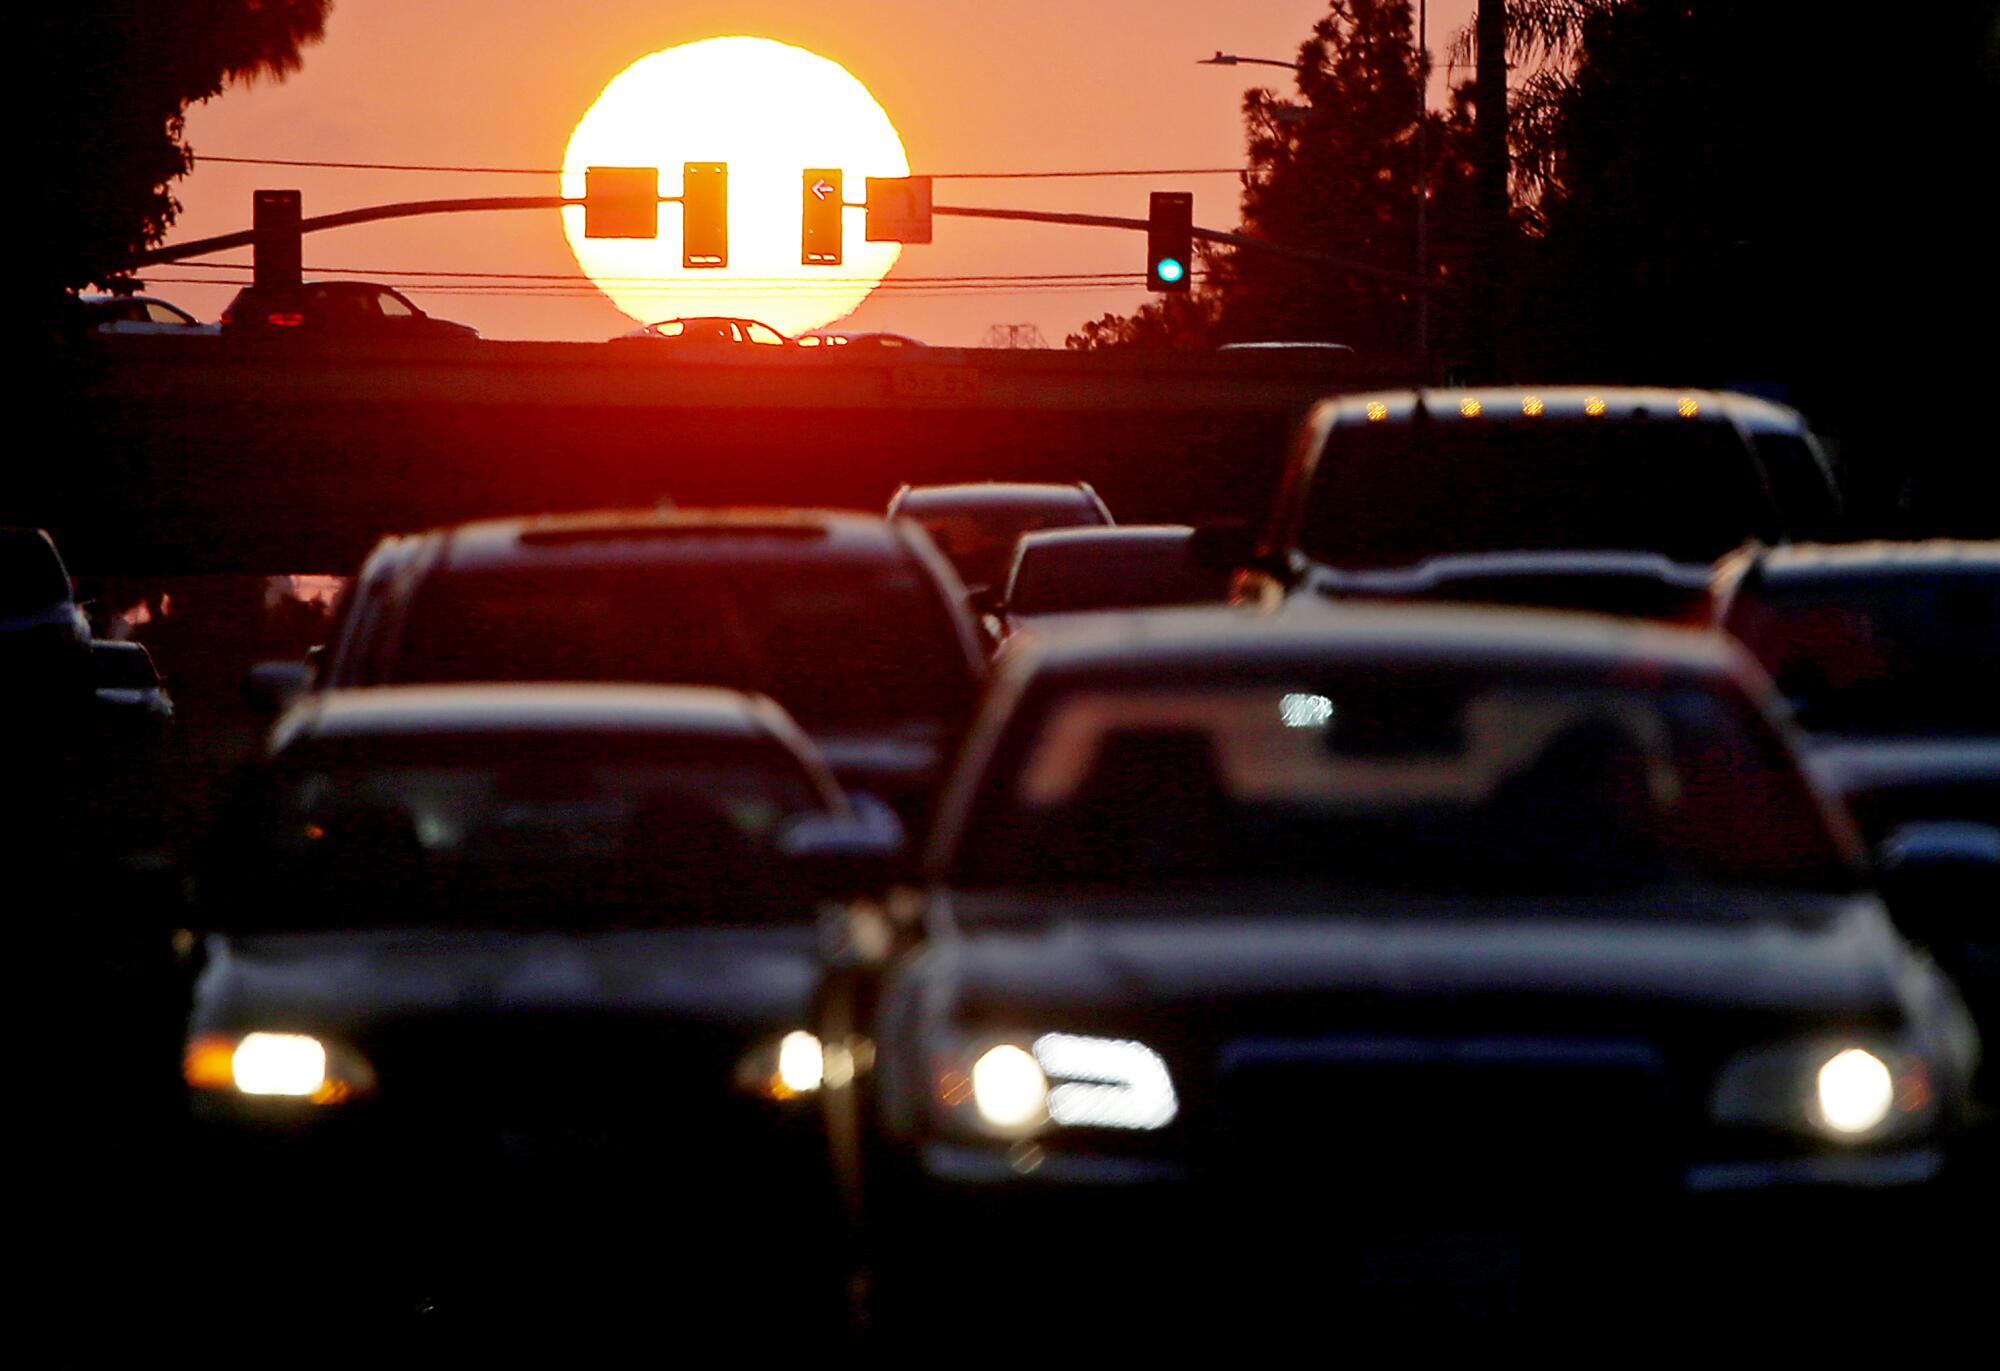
(119, 668)
(834, 644)
(1397, 779)
(980, 541)
(511, 831)
(1394, 494)
(1060, 576)
(1917, 654)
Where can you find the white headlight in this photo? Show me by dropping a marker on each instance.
(279, 1064)
(1855, 1091)
(801, 1063)
(1107, 1082)
(1008, 1087)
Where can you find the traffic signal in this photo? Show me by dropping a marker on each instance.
(819, 222)
(275, 252)
(704, 214)
(621, 202)
(1170, 240)
(899, 209)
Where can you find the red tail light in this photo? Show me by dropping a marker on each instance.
(285, 319)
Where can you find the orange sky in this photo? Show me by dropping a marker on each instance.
(1019, 85)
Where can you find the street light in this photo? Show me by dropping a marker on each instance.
(1230, 59)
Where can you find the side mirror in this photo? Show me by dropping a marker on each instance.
(1223, 545)
(271, 687)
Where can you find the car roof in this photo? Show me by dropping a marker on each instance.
(1532, 404)
(994, 495)
(460, 710)
(1148, 646)
(1082, 540)
(600, 537)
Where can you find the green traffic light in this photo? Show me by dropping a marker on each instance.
(1169, 269)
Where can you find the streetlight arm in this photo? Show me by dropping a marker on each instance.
(1230, 59)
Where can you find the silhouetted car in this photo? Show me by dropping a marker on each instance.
(1890, 656)
(712, 333)
(142, 314)
(1392, 479)
(1062, 572)
(977, 524)
(336, 309)
(852, 623)
(833, 339)
(1351, 922)
(44, 632)
(462, 938)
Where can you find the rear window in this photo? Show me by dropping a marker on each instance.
(1388, 495)
(1404, 780)
(1058, 577)
(1911, 655)
(836, 645)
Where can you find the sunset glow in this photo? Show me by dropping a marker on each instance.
(769, 110)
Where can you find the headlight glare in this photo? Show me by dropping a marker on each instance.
(278, 1066)
(1854, 1092)
(1107, 1082)
(1008, 1088)
(291, 1064)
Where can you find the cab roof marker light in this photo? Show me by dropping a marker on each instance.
(1532, 406)
(1377, 411)
(1469, 407)
(1689, 407)
(1106, 1082)
(1593, 405)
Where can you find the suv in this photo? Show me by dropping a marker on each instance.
(1385, 481)
(336, 309)
(850, 622)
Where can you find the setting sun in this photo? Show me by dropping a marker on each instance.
(769, 110)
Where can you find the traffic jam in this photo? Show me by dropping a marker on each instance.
(1566, 901)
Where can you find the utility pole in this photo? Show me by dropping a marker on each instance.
(1490, 186)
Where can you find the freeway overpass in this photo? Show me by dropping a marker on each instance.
(170, 455)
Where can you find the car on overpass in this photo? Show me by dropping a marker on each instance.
(346, 310)
(853, 623)
(717, 333)
(141, 315)
(1352, 921)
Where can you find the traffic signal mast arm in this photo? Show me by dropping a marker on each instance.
(1240, 240)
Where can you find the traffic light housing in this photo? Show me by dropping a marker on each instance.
(704, 214)
(819, 220)
(275, 251)
(621, 202)
(1170, 240)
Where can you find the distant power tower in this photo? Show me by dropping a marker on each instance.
(1014, 336)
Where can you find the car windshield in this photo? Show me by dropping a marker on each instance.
(1914, 655)
(1403, 780)
(521, 831)
(1064, 576)
(837, 645)
(1389, 495)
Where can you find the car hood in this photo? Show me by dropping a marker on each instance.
(1693, 948)
(743, 977)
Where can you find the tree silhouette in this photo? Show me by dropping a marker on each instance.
(115, 79)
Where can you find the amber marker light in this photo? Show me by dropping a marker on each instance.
(1688, 407)
(1532, 406)
(1377, 411)
(1469, 407)
(1593, 405)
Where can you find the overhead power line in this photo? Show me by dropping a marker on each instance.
(557, 171)
(582, 278)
